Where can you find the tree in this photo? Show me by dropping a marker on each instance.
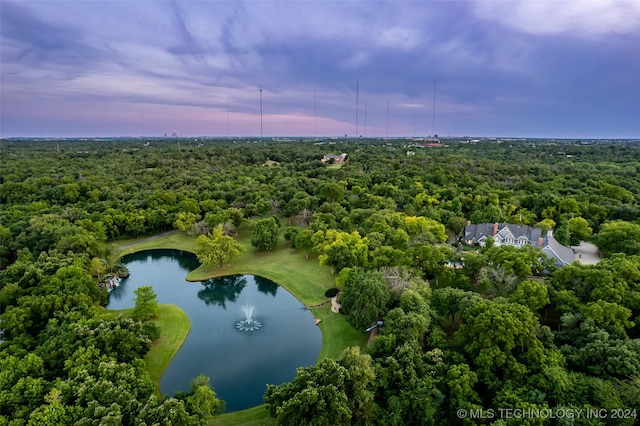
(610, 316)
(146, 304)
(545, 225)
(165, 412)
(185, 221)
(429, 259)
(461, 381)
(22, 386)
(605, 357)
(426, 229)
(342, 249)
(216, 247)
(201, 399)
(519, 261)
(332, 392)
(236, 217)
(217, 218)
(200, 228)
(501, 340)
(365, 298)
(532, 294)
(97, 268)
(265, 234)
(579, 230)
(290, 236)
(303, 241)
(331, 192)
(456, 225)
(618, 237)
(497, 281)
(54, 413)
(113, 262)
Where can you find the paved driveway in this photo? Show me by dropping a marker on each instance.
(586, 253)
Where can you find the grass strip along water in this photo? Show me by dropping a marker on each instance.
(302, 277)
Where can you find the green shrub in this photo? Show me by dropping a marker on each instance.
(331, 292)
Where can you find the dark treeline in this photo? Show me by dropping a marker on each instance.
(507, 330)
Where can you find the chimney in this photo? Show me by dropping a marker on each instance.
(495, 229)
(468, 222)
(540, 242)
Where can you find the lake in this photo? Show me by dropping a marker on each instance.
(239, 363)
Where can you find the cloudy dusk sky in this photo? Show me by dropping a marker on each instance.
(531, 68)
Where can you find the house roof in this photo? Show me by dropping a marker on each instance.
(478, 232)
(563, 253)
(518, 231)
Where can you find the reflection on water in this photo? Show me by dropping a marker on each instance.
(240, 364)
(266, 286)
(218, 290)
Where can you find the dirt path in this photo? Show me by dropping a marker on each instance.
(144, 240)
(372, 336)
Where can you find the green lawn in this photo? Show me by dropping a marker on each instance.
(337, 333)
(173, 240)
(174, 327)
(256, 416)
(304, 278)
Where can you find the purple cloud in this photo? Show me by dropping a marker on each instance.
(502, 68)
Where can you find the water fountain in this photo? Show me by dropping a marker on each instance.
(248, 323)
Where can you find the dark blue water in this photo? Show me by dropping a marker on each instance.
(240, 364)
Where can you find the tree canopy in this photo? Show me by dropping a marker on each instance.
(462, 327)
(217, 247)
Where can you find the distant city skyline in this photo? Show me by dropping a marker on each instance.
(563, 69)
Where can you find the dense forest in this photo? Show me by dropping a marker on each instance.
(505, 330)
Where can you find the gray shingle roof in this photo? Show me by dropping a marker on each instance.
(552, 247)
(479, 232)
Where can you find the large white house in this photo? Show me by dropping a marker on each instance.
(519, 236)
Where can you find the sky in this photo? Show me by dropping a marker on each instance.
(531, 68)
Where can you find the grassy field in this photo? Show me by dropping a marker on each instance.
(337, 333)
(169, 240)
(304, 278)
(174, 327)
(256, 416)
